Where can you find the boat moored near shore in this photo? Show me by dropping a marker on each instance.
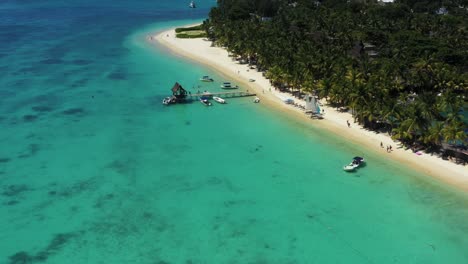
(357, 161)
(205, 101)
(169, 100)
(228, 85)
(219, 99)
(206, 78)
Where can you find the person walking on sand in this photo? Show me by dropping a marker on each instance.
(381, 144)
(347, 122)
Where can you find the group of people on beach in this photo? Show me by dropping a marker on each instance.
(389, 147)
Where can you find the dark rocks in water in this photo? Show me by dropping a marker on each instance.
(21, 257)
(74, 111)
(72, 190)
(31, 151)
(29, 118)
(81, 62)
(57, 243)
(121, 166)
(257, 148)
(12, 202)
(103, 200)
(42, 108)
(51, 61)
(42, 256)
(14, 190)
(147, 215)
(5, 160)
(33, 148)
(57, 51)
(117, 76)
(79, 83)
(29, 70)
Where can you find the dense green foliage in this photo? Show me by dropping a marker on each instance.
(398, 66)
(191, 32)
(194, 28)
(200, 34)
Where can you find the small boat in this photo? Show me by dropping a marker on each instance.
(228, 85)
(219, 99)
(206, 78)
(205, 102)
(357, 161)
(169, 100)
(192, 4)
(257, 100)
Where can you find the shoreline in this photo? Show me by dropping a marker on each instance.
(216, 58)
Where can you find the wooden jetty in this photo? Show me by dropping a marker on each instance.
(180, 95)
(222, 94)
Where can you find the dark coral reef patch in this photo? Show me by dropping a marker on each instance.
(29, 118)
(117, 76)
(54, 246)
(74, 111)
(5, 160)
(15, 190)
(42, 108)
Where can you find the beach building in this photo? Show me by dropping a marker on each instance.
(442, 11)
(179, 92)
(370, 49)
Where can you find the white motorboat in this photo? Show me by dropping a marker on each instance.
(205, 102)
(228, 85)
(257, 100)
(169, 100)
(206, 78)
(357, 161)
(192, 4)
(219, 99)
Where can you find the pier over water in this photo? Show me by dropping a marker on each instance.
(180, 95)
(232, 94)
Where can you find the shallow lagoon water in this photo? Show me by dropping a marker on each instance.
(93, 168)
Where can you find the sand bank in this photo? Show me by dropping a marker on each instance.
(217, 58)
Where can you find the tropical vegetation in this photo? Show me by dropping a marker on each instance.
(401, 66)
(190, 32)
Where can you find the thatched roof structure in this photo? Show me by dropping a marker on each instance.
(178, 91)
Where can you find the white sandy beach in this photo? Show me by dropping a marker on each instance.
(217, 58)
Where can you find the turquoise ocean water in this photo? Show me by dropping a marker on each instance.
(93, 168)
